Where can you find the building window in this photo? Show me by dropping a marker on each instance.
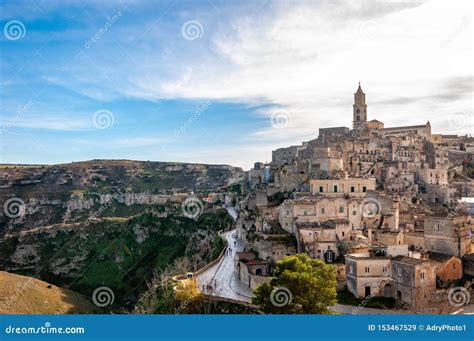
(335, 188)
(364, 189)
(367, 270)
(322, 210)
(320, 189)
(354, 212)
(437, 227)
(352, 189)
(343, 233)
(454, 266)
(384, 269)
(341, 209)
(422, 275)
(351, 269)
(399, 272)
(305, 213)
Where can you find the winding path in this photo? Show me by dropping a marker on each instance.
(220, 280)
(222, 277)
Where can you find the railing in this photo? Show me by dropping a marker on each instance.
(181, 278)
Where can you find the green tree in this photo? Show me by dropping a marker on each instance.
(300, 285)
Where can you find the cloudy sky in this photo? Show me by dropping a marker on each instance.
(219, 81)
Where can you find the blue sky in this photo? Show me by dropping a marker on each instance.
(222, 81)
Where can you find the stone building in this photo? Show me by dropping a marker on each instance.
(448, 268)
(311, 209)
(346, 185)
(368, 275)
(251, 270)
(321, 239)
(423, 131)
(285, 156)
(414, 280)
(429, 176)
(448, 235)
(375, 125)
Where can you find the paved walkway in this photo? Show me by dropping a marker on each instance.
(221, 277)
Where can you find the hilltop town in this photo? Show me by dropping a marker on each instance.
(390, 207)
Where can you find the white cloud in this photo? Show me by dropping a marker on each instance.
(307, 59)
(414, 59)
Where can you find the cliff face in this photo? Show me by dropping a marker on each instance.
(120, 253)
(66, 193)
(89, 224)
(136, 176)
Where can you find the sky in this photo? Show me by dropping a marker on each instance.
(222, 82)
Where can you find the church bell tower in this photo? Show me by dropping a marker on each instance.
(359, 116)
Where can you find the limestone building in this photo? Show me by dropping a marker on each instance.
(448, 235)
(333, 187)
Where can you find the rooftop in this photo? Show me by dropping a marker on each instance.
(439, 257)
(409, 260)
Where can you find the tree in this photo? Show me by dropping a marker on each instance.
(301, 285)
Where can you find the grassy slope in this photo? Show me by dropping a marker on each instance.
(26, 295)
